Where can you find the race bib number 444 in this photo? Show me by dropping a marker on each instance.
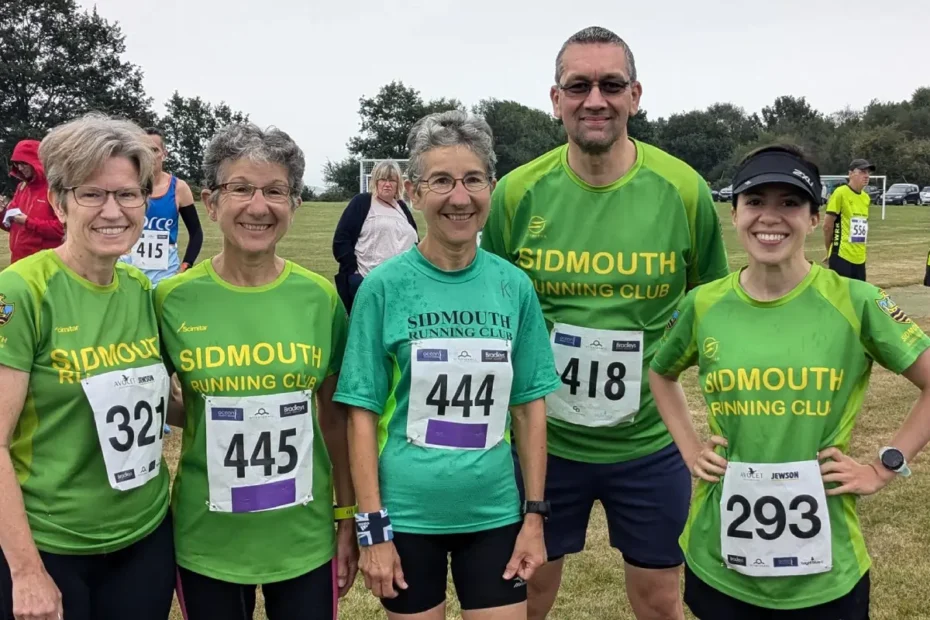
(601, 374)
(129, 412)
(259, 451)
(774, 520)
(459, 392)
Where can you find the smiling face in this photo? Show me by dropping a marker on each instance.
(772, 222)
(454, 218)
(108, 231)
(251, 225)
(596, 119)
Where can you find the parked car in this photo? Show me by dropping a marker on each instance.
(925, 195)
(902, 194)
(726, 194)
(874, 193)
(715, 195)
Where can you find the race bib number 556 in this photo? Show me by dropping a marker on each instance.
(774, 520)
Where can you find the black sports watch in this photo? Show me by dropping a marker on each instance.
(893, 460)
(537, 508)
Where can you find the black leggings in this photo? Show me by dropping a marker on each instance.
(136, 582)
(311, 596)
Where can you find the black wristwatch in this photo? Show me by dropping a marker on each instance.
(537, 508)
(893, 460)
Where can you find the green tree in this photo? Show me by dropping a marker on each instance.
(188, 125)
(521, 133)
(58, 62)
(341, 178)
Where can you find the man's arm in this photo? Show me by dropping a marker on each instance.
(188, 213)
(833, 211)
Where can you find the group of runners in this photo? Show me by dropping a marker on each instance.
(475, 404)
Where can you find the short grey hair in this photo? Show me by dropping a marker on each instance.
(593, 35)
(452, 128)
(390, 170)
(73, 152)
(248, 141)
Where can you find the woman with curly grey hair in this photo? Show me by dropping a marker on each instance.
(447, 342)
(257, 342)
(84, 525)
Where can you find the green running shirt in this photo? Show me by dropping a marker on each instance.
(608, 264)
(62, 329)
(783, 380)
(430, 352)
(247, 357)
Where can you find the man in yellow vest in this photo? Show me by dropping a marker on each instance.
(846, 222)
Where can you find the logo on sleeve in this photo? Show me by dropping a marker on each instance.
(884, 302)
(672, 320)
(6, 310)
(711, 348)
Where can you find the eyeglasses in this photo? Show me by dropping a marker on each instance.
(443, 183)
(95, 197)
(244, 191)
(581, 88)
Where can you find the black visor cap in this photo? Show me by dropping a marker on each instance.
(778, 167)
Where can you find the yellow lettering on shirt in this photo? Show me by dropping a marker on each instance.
(602, 263)
(73, 365)
(247, 355)
(774, 379)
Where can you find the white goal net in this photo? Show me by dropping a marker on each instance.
(365, 166)
(876, 187)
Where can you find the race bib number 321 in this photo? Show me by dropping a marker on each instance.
(774, 520)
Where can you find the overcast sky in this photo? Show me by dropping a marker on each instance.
(303, 64)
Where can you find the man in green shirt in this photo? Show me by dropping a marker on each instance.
(612, 232)
(846, 223)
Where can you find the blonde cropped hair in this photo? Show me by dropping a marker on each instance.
(73, 152)
(387, 170)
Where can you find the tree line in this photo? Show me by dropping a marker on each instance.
(58, 61)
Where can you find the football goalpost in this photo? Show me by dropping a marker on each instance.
(365, 166)
(832, 181)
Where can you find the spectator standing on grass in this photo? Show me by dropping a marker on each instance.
(85, 528)
(612, 231)
(156, 252)
(773, 531)
(34, 226)
(373, 228)
(846, 223)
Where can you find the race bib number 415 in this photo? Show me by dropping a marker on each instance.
(151, 251)
(259, 451)
(601, 374)
(129, 413)
(774, 520)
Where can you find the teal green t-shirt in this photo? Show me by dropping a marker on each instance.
(431, 352)
(253, 496)
(609, 264)
(782, 380)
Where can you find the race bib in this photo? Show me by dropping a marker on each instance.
(259, 451)
(601, 372)
(774, 520)
(129, 412)
(858, 229)
(151, 251)
(459, 392)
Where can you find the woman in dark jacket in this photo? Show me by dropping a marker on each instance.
(373, 228)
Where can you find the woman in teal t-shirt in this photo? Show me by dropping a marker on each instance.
(446, 343)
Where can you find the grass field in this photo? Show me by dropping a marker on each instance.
(895, 520)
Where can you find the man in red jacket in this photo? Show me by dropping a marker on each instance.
(35, 227)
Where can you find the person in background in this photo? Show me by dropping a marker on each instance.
(373, 228)
(29, 217)
(156, 252)
(846, 223)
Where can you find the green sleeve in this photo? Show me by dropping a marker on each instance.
(339, 332)
(834, 204)
(366, 366)
(19, 314)
(493, 235)
(709, 260)
(678, 347)
(159, 295)
(888, 334)
(534, 374)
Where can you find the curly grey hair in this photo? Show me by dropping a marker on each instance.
(73, 152)
(248, 141)
(590, 36)
(452, 128)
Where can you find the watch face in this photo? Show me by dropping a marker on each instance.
(893, 459)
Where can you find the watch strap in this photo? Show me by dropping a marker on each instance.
(342, 513)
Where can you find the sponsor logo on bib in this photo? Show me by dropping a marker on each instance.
(123, 476)
(630, 346)
(752, 474)
(785, 475)
(568, 340)
(432, 355)
(493, 356)
(737, 560)
(294, 409)
(231, 414)
(812, 562)
(785, 562)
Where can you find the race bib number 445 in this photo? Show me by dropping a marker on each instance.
(601, 372)
(774, 520)
(129, 413)
(259, 451)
